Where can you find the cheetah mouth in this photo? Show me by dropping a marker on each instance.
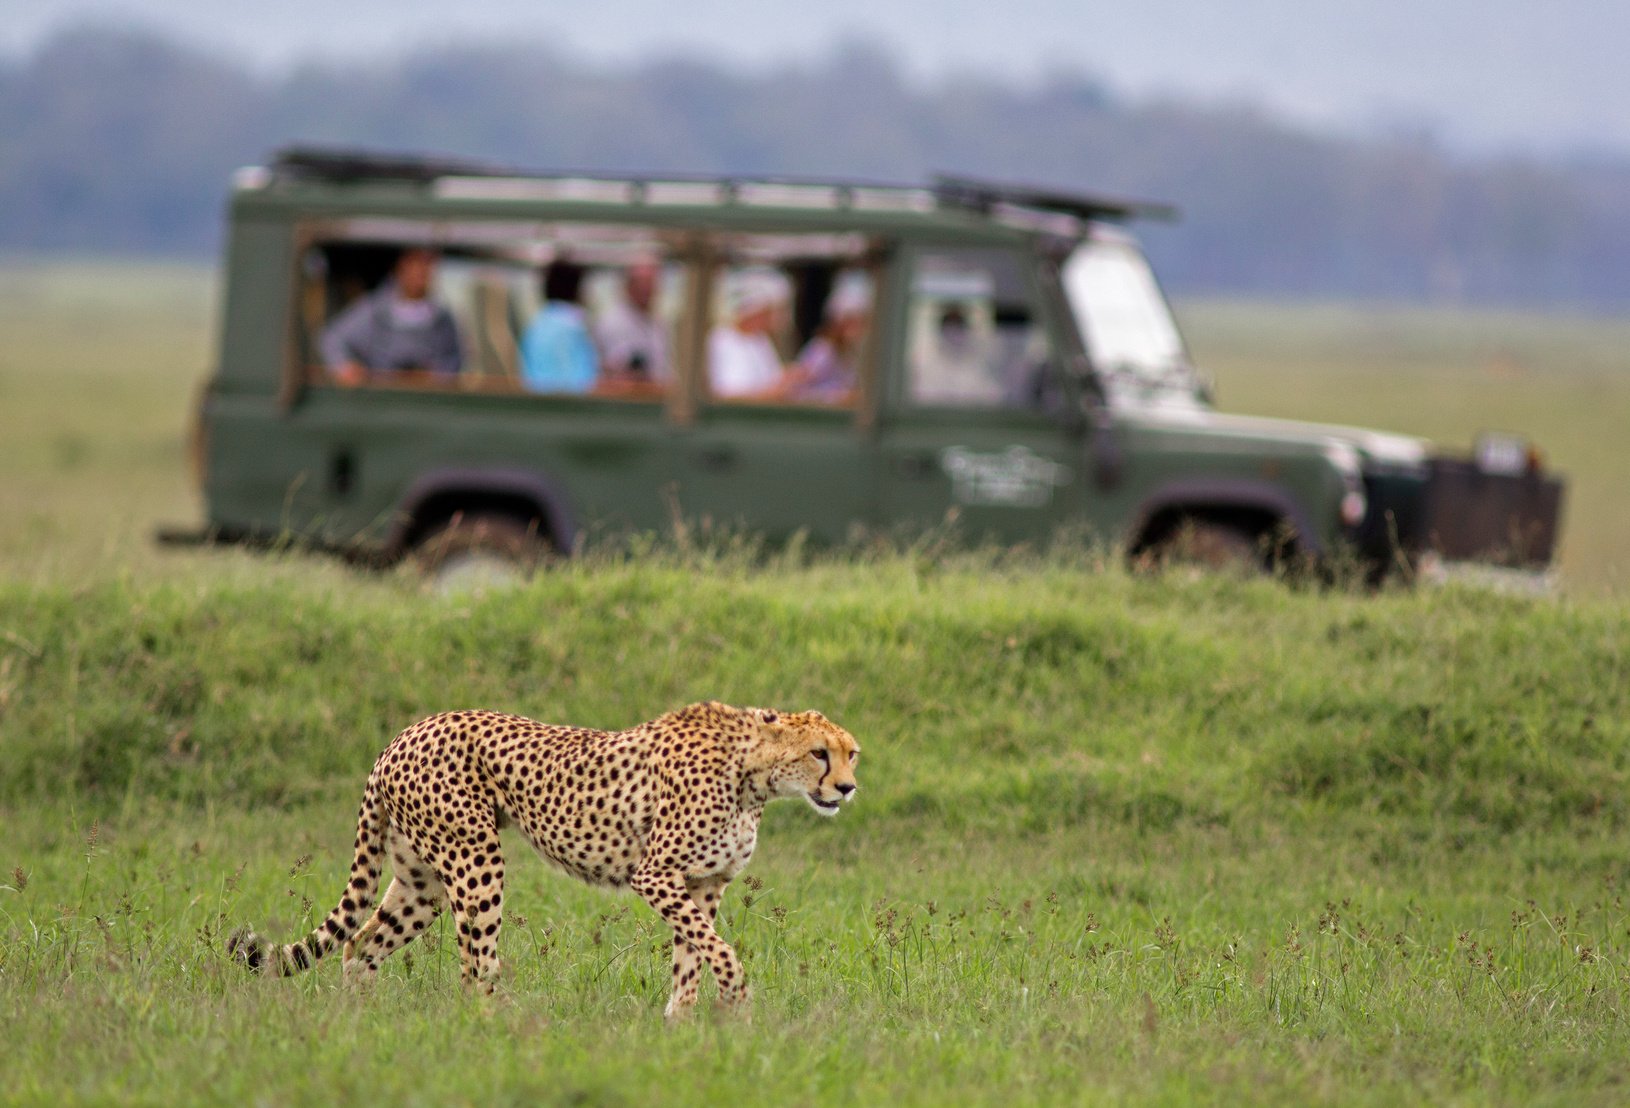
(825, 807)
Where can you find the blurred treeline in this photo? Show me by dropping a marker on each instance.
(115, 141)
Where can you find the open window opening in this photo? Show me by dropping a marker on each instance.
(975, 338)
(791, 320)
(563, 309)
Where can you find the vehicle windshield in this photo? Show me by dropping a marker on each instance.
(1126, 324)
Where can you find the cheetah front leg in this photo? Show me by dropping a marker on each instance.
(706, 892)
(668, 894)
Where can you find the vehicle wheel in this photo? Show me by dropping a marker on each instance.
(1209, 545)
(471, 553)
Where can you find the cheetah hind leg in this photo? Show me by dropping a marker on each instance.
(468, 858)
(416, 897)
(477, 906)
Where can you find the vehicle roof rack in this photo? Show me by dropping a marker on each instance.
(982, 195)
(336, 163)
(950, 191)
(356, 164)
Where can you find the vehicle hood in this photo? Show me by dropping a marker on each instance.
(1380, 448)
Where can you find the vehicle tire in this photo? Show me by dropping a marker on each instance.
(1209, 545)
(470, 553)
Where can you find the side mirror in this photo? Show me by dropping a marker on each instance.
(1207, 387)
(1108, 459)
(1094, 397)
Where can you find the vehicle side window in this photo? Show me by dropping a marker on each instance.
(562, 309)
(974, 336)
(791, 319)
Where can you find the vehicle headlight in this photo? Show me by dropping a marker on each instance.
(1344, 459)
(1353, 506)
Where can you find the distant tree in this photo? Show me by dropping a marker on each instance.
(118, 141)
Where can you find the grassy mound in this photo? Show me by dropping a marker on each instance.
(987, 696)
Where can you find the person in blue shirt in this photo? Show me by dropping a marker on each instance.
(557, 353)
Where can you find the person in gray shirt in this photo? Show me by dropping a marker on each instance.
(397, 326)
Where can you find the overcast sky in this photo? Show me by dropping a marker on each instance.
(1538, 75)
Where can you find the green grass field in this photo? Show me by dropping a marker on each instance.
(97, 374)
(1447, 376)
(1173, 840)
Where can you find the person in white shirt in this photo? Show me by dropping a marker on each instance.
(743, 364)
(633, 341)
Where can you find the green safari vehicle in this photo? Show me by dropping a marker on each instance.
(832, 358)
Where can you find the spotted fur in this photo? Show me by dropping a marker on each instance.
(669, 809)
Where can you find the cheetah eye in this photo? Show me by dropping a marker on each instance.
(818, 754)
(854, 756)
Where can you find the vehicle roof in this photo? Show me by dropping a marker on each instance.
(324, 180)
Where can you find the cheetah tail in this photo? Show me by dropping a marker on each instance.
(259, 956)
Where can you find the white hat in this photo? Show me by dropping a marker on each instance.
(750, 290)
(850, 296)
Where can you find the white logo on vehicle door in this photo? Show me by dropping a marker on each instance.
(1017, 477)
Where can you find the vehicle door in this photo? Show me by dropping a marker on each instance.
(775, 446)
(975, 426)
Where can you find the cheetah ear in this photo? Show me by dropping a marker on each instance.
(769, 715)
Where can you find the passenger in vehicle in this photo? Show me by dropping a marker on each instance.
(557, 354)
(743, 363)
(955, 368)
(398, 326)
(633, 341)
(825, 369)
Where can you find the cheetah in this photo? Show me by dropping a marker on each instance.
(669, 809)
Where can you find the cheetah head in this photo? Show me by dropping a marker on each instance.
(813, 758)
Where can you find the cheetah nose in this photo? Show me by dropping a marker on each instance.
(846, 789)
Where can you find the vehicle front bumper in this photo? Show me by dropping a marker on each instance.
(1460, 513)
